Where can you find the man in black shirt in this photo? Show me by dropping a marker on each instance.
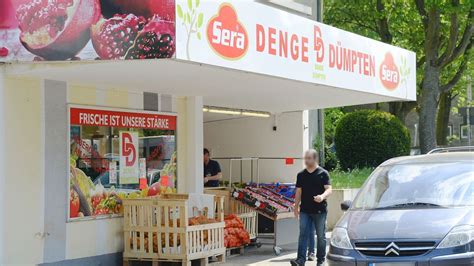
(313, 186)
(212, 171)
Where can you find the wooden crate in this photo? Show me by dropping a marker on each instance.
(235, 251)
(247, 215)
(156, 229)
(223, 192)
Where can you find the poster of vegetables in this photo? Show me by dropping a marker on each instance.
(57, 30)
(97, 154)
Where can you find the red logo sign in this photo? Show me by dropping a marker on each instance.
(128, 149)
(389, 74)
(226, 35)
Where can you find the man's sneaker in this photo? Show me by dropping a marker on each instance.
(320, 263)
(296, 263)
(311, 257)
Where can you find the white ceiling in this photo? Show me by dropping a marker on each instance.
(219, 86)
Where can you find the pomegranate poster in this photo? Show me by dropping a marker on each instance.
(251, 36)
(58, 30)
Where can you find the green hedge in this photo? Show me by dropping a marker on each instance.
(366, 138)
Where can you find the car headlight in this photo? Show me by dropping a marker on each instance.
(340, 238)
(459, 236)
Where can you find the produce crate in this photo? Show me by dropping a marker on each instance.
(223, 192)
(156, 229)
(247, 215)
(233, 252)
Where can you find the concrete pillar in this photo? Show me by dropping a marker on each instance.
(2, 162)
(190, 144)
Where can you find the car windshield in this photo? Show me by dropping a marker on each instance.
(429, 185)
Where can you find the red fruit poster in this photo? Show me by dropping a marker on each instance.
(57, 30)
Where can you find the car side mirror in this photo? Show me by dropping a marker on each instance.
(346, 205)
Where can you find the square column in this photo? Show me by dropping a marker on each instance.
(2, 162)
(190, 144)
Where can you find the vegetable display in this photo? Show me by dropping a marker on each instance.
(234, 233)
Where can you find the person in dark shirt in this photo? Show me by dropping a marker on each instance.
(212, 171)
(313, 186)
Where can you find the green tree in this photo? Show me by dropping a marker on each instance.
(331, 118)
(439, 31)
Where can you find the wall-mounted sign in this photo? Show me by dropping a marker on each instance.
(250, 36)
(94, 117)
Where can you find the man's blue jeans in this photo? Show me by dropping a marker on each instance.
(319, 221)
(311, 235)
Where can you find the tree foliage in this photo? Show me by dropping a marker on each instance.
(439, 31)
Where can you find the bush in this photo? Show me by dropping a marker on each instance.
(366, 138)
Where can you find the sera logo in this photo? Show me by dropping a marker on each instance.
(389, 74)
(226, 35)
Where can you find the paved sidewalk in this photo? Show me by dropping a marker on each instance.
(265, 255)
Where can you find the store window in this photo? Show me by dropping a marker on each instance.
(465, 131)
(450, 130)
(117, 154)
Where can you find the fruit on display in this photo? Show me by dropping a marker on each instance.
(112, 204)
(97, 195)
(165, 9)
(264, 200)
(154, 189)
(133, 37)
(74, 204)
(234, 233)
(288, 189)
(113, 37)
(56, 29)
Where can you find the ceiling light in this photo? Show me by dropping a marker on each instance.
(256, 114)
(205, 109)
(225, 111)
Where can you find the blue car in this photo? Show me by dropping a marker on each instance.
(412, 211)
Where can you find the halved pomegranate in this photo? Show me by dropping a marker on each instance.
(156, 40)
(56, 29)
(133, 37)
(113, 37)
(165, 9)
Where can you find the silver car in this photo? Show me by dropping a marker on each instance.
(412, 211)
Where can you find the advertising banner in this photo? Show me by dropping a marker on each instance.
(129, 162)
(94, 117)
(86, 29)
(254, 37)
